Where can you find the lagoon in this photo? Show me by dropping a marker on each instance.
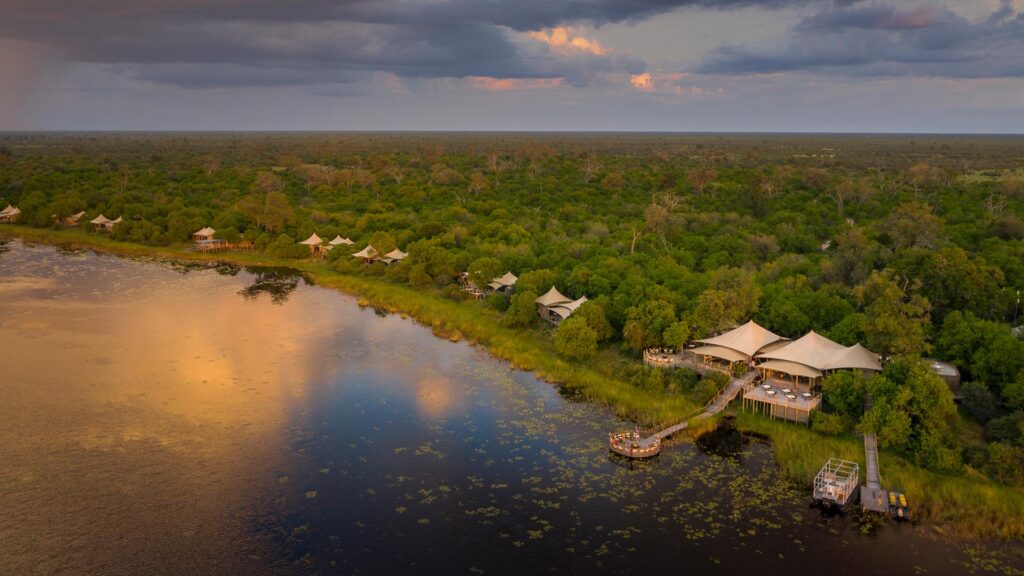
(162, 418)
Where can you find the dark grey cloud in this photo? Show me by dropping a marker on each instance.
(197, 43)
(882, 40)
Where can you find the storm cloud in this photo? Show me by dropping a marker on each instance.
(876, 40)
(213, 43)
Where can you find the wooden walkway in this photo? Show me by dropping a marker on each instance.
(637, 444)
(872, 496)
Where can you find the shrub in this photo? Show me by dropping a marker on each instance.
(575, 340)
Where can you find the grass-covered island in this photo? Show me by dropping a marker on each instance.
(913, 246)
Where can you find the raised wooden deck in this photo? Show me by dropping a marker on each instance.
(782, 401)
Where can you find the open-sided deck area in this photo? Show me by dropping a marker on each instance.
(784, 400)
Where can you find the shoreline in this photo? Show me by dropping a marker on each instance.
(947, 506)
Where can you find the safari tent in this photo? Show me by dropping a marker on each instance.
(9, 214)
(368, 254)
(315, 243)
(395, 255)
(813, 356)
(204, 234)
(506, 283)
(740, 344)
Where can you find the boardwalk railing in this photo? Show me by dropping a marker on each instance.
(645, 443)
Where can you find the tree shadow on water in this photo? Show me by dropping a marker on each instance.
(279, 283)
(725, 441)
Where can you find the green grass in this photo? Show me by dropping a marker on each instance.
(955, 505)
(958, 506)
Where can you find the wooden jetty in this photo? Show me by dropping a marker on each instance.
(872, 497)
(647, 443)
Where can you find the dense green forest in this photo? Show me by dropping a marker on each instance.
(912, 245)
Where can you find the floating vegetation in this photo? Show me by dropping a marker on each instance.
(350, 460)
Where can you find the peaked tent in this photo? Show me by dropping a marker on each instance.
(504, 282)
(100, 220)
(552, 297)
(813, 354)
(313, 240)
(204, 234)
(339, 240)
(9, 214)
(368, 253)
(564, 310)
(747, 339)
(395, 255)
(727, 354)
(856, 357)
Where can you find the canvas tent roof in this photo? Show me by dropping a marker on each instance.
(566, 309)
(820, 353)
(368, 252)
(313, 240)
(8, 210)
(719, 352)
(396, 254)
(118, 221)
(79, 215)
(101, 219)
(207, 231)
(339, 240)
(748, 339)
(857, 356)
(508, 279)
(791, 368)
(552, 297)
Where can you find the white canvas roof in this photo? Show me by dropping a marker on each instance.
(857, 356)
(396, 254)
(79, 215)
(748, 339)
(508, 279)
(118, 221)
(207, 231)
(101, 219)
(722, 352)
(313, 240)
(339, 240)
(552, 297)
(368, 252)
(7, 210)
(566, 309)
(791, 368)
(820, 353)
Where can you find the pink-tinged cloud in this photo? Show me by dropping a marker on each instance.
(564, 38)
(642, 82)
(921, 17)
(507, 84)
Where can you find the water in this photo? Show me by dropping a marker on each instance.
(157, 419)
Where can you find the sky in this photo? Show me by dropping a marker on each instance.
(549, 65)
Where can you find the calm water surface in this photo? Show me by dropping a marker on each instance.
(156, 419)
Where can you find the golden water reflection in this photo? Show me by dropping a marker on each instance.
(128, 386)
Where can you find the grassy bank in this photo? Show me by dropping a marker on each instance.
(958, 506)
